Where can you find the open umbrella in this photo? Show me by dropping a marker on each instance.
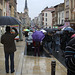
(26, 30)
(8, 20)
(68, 29)
(38, 36)
(73, 36)
(44, 31)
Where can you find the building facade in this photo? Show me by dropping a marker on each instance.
(58, 16)
(61, 14)
(12, 8)
(47, 17)
(24, 17)
(40, 21)
(70, 12)
(1, 7)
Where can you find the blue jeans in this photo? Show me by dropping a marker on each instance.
(11, 61)
(57, 47)
(48, 46)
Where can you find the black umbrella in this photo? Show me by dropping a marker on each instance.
(8, 20)
(55, 29)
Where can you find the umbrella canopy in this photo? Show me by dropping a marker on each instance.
(68, 29)
(26, 30)
(38, 36)
(8, 20)
(44, 31)
(73, 36)
(55, 29)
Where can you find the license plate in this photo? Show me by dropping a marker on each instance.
(28, 43)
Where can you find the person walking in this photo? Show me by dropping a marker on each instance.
(57, 42)
(7, 39)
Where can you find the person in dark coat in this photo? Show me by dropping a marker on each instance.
(7, 39)
(48, 42)
(70, 57)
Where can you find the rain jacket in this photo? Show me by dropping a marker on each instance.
(7, 40)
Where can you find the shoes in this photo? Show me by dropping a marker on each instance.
(12, 71)
(7, 72)
(57, 51)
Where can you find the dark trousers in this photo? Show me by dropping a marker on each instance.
(11, 55)
(37, 50)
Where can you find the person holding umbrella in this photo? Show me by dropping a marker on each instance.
(7, 39)
(70, 57)
(37, 36)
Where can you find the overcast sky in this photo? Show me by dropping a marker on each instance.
(36, 6)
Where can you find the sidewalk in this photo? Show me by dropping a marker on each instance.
(30, 65)
(17, 59)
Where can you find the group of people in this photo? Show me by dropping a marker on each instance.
(57, 41)
(52, 41)
(64, 42)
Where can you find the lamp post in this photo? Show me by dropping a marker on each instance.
(20, 33)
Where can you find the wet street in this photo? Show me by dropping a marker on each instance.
(29, 64)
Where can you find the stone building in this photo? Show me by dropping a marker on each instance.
(24, 17)
(12, 7)
(70, 12)
(58, 16)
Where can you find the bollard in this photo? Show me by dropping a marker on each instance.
(53, 65)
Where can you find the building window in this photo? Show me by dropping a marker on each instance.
(46, 19)
(62, 21)
(67, 3)
(0, 12)
(62, 15)
(46, 14)
(46, 24)
(42, 14)
(43, 18)
(1, 1)
(67, 14)
(4, 14)
(42, 23)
